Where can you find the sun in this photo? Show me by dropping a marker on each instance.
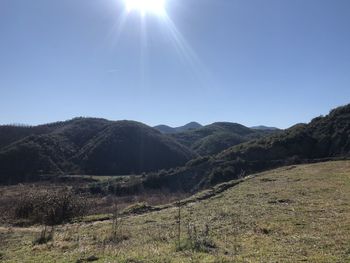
(155, 7)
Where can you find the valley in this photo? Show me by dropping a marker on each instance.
(174, 131)
(120, 191)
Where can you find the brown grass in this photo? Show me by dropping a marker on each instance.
(292, 214)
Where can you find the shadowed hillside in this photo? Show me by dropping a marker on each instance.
(102, 147)
(327, 136)
(131, 147)
(95, 146)
(214, 138)
(12, 133)
(168, 130)
(323, 138)
(87, 145)
(266, 128)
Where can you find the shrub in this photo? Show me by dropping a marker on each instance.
(229, 173)
(44, 237)
(197, 161)
(197, 239)
(50, 207)
(137, 208)
(153, 181)
(117, 234)
(95, 188)
(216, 176)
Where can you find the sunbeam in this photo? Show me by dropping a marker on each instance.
(157, 9)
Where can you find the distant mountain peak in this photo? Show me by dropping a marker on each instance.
(264, 128)
(168, 130)
(194, 123)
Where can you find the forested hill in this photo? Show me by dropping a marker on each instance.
(169, 130)
(325, 137)
(86, 146)
(102, 147)
(216, 137)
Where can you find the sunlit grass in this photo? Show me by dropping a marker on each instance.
(298, 213)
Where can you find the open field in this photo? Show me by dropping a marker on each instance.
(291, 214)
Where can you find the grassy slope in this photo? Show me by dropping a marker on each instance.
(291, 214)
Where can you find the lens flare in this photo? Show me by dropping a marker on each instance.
(159, 10)
(155, 7)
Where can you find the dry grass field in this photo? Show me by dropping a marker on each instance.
(291, 214)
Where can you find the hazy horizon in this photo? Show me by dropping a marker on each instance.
(157, 124)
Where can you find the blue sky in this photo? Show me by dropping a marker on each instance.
(271, 62)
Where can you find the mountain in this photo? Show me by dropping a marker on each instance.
(264, 128)
(165, 129)
(168, 130)
(97, 146)
(214, 138)
(131, 147)
(10, 134)
(13, 133)
(86, 146)
(323, 138)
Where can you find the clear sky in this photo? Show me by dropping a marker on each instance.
(271, 62)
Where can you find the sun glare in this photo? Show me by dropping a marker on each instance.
(155, 7)
(158, 9)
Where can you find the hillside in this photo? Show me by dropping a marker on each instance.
(263, 127)
(96, 146)
(85, 146)
(127, 147)
(214, 138)
(12, 133)
(168, 130)
(323, 138)
(291, 214)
